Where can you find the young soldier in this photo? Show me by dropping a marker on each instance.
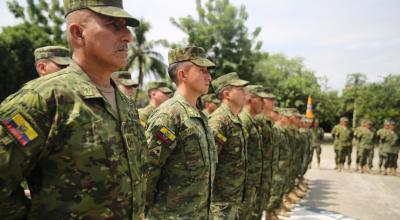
(387, 144)
(230, 139)
(317, 135)
(365, 137)
(51, 59)
(158, 93)
(183, 154)
(254, 105)
(342, 140)
(125, 82)
(210, 103)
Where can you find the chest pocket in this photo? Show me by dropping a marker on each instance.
(194, 145)
(235, 144)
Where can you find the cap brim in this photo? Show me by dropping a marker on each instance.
(128, 82)
(165, 90)
(203, 62)
(64, 61)
(239, 82)
(262, 95)
(117, 13)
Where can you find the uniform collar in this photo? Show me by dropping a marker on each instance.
(229, 113)
(192, 112)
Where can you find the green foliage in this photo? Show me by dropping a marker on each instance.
(16, 47)
(378, 101)
(41, 26)
(220, 28)
(143, 56)
(292, 83)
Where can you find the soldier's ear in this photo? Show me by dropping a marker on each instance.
(40, 68)
(75, 33)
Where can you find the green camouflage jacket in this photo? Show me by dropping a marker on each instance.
(254, 153)
(182, 162)
(80, 159)
(342, 136)
(265, 126)
(231, 168)
(144, 114)
(317, 135)
(365, 138)
(387, 140)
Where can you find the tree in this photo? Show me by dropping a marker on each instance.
(220, 28)
(354, 82)
(40, 26)
(143, 57)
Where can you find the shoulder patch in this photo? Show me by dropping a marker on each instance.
(220, 138)
(166, 135)
(20, 129)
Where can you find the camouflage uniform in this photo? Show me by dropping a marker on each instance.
(145, 112)
(182, 161)
(183, 154)
(253, 187)
(342, 141)
(80, 158)
(317, 135)
(231, 140)
(387, 144)
(266, 130)
(280, 166)
(365, 138)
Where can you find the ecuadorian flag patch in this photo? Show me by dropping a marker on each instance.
(21, 129)
(220, 138)
(166, 135)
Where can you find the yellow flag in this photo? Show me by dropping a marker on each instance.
(309, 112)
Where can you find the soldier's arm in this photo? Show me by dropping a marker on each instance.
(219, 131)
(162, 138)
(22, 127)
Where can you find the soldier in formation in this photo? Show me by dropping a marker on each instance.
(51, 59)
(158, 92)
(125, 82)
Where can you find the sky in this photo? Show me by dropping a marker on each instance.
(334, 38)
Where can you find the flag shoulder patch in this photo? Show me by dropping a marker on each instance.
(21, 129)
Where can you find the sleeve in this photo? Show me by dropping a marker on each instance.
(22, 135)
(162, 139)
(220, 133)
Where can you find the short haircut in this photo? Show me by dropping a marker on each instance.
(221, 93)
(173, 69)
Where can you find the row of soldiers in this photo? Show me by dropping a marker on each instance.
(78, 141)
(364, 139)
(263, 151)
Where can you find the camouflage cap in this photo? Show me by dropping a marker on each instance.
(162, 86)
(284, 112)
(112, 8)
(295, 112)
(344, 119)
(125, 78)
(57, 54)
(196, 55)
(270, 95)
(366, 121)
(210, 98)
(256, 90)
(230, 79)
(389, 122)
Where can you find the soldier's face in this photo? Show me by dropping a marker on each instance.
(269, 104)
(44, 67)
(257, 104)
(210, 106)
(161, 97)
(106, 41)
(237, 96)
(198, 79)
